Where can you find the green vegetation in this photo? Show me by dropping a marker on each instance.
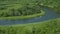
(24, 11)
(9, 8)
(23, 17)
(46, 27)
(53, 4)
(19, 8)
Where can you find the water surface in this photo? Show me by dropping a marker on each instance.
(49, 14)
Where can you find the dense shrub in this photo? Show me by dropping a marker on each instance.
(29, 7)
(26, 10)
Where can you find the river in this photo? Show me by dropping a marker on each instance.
(49, 14)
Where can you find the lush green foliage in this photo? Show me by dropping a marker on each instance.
(21, 7)
(54, 4)
(23, 17)
(47, 27)
(26, 9)
(21, 11)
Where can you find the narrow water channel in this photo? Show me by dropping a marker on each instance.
(49, 14)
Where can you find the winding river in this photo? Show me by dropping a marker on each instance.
(50, 14)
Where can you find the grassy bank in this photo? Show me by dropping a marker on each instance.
(15, 9)
(53, 4)
(47, 27)
(19, 9)
(23, 17)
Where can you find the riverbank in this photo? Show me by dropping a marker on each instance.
(53, 4)
(56, 9)
(47, 27)
(23, 17)
(49, 14)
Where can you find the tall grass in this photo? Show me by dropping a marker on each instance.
(47, 27)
